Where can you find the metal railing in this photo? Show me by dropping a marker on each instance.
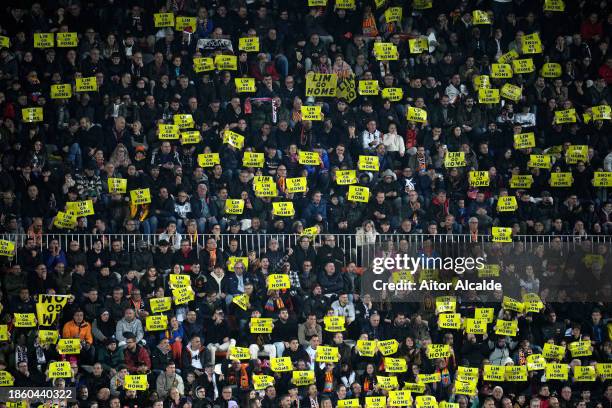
(353, 245)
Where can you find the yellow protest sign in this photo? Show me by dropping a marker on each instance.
(368, 163)
(226, 62)
(136, 382)
(509, 303)
(507, 204)
(393, 94)
(511, 92)
(7, 248)
(366, 348)
(532, 303)
(438, 351)
(426, 401)
(348, 403)
(242, 301)
(65, 220)
(261, 325)
(553, 352)
(61, 91)
(601, 112)
(265, 187)
(346, 177)
(168, 131)
(422, 4)
(183, 295)
(44, 40)
(531, 44)
(416, 114)
(388, 347)
(301, 378)
(69, 346)
(4, 335)
(367, 87)
(556, 371)
(467, 373)
(245, 85)
(346, 88)
(156, 322)
(49, 307)
(283, 209)
(334, 323)
(535, 362)
(234, 206)
(88, 84)
(252, 159)
(393, 14)
(506, 327)
(31, 115)
(604, 370)
(602, 179)
(584, 373)
(183, 121)
(494, 373)
(160, 305)
(454, 159)
(395, 365)
(445, 304)
(296, 184)
(387, 383)
(542, 161)
(480, 17)
(418, 388)
(24, 320)
(501, 71)
(203, 64)
(345, 4)
(481, 82)
(317, 3)
(48, 336)
(384, 51)
(508, 57)
(487, 313)
(488, 95)
(358, 193)
(475, 326)
(141, 196)
(521, 181)
(5, 42)
(449, 321)
(501, 234)
(561, 179)
(163, 20)
(309, 158)
(208, 159)
(311, 113)
(310, 232)
(376, 402)
(327, 354)
(488, 270)
(117, 185)
(278, 281)
(576, 153)
(524, 140)
(184, 22)
(233, 139)
(554, 5)
(403, 398)
(281, 364)
(179, 280)
(551, 70)
(261, 382)
(60, 369)
(523, 66)
(479, 178)
(580, 348)
(81, 208)
(248, 44)
(418, 45)
(321, 84)
(67, 40)
(428, 378)
(516, 373)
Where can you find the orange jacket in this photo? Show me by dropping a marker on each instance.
(83, 332)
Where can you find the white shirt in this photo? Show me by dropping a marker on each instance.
(367, 138)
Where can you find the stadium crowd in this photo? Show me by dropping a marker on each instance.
(127, 127)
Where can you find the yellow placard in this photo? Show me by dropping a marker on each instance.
(31, 115)
(44, 40)
(366, 348)
(393, 14)
(418, 45)
(487, 313)
(535, 362)
(163, 20)
(281, 364)
(604, 370)
(327, 354)
(395, 365)
(501, 234)
(319, 85)
(5, 42)
(168, 131)
(403, 398)
(346, 88)
(542, 161)
(488, 270)
(311, 112)
(516, 373)
(428, 378)
(501, 71)
(301, 378)
(523, 66)
(506, 327)
(358, 193)
(141, 196)
(556, 371)
(601, 112)
(426, 401)
(117, 185)
(65, 220)
(446, 304)
(345, 4)
(507, 204)
(157, 322)
(438, 351)
(234, 206)
(480, 17)
(309, 158)
(384, 51)
(4, 335)
(253, 159)
(481, 82)
(576, 153)
(242, 301)
(475, 326)
(49, 307)
(551, 70)
(422, 4)
(367, 87)
(376, 402)
(233, 139)
(494, 373)
(561, 179)
(261, 382)
(184, 22)
(508, 57)
(183, 295)
(81, 208)
(554, 5)
(179, 280)
(261, 325)
(203, 64)
(346, 177)
(348, 403)
(479, 178)
(584, 373)
(48, 336)
(467, 373)
(417, 388)
(449, 321)
(283, 209)
(240, 353)
(388, 347)
(524, 140)
(416, 114)
(61, 91)
(334, 323)
(393, 94)
(454, 159)
(88, 84)
(60, 369)
(136, 382)
(521, 181)
(278, 281)
(488, 95)
(602, 179)
(69, 346)
(531, 44)
(208, 159)
(265, 187)
(580, 348)
(226, 62)
(553, 352)
(368, 163)
(160, 305)
(511, 92)
(7, 248)
(296, 184)
(387, 383)
(67, 40)
(509, 303)
(245, 85)
(183, 121)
